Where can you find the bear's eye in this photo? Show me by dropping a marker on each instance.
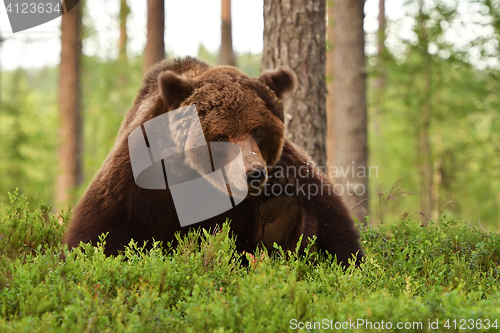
(255, 131)
(223, 138)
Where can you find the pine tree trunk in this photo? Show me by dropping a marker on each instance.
(155, 42)
(70, 132)
(424, 152)
(226, 54)
(1, 41)
(16, 158)
(437, 178)
(330, 86)
(122, 42)
(351, 153)
(379, 84)
(294, 36)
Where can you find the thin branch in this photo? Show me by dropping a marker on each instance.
(359, 203)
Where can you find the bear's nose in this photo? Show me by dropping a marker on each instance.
(256, 176)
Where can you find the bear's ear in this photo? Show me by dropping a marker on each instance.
(281, 81)
(173, 89)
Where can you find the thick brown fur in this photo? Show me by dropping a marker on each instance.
(234, 108)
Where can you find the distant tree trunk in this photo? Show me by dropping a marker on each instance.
(381, 32)
(294, 36)
(16, 108)
(70, 132)
(379, 84)
(226, 54)
(155, 43)
(424, 154)
(122, 42)
(425, 161)
(351, 152)
(437, 178)
(1, 41)
(330, 86)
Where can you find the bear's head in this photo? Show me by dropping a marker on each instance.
(232, 108)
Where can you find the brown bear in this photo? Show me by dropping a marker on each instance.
(235, 109)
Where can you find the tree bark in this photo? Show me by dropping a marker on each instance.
(379, 84)
(437, 178)
(1, 41)
(226, 53)
(351, 152)
(424, 152)
(381, 44)
(155, 42)
(122, 42)
(70, 132)
(330, 86)
(294, 36)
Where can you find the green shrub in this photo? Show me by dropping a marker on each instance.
(411, 274)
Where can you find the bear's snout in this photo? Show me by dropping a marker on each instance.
(255, 165)
(256, 176)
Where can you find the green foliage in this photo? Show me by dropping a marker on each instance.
(108, 89)
(24, 232)
(249, 63)
(464, 131)
(28, 127)
(207, 56)
(411, 274)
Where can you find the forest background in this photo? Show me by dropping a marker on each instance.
(438, 81)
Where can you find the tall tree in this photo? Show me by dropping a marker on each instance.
(1, 41)
(424, 153)
(351, 152)
(330, 86)
(16, 108)
(226, 54)
(155, 43)
(294, 36)
(122, 42)
(379, 82)
(70, 132)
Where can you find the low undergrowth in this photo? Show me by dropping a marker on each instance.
(443, 276)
